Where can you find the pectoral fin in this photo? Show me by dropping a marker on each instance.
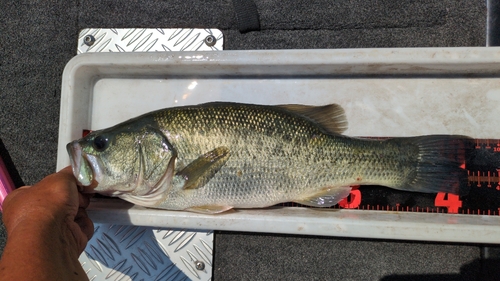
(201, 170)
(209, 209)
(331, 117)
(325, 198)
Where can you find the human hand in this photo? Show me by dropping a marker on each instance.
(54, 200)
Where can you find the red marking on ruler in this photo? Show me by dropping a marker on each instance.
(481, 177)
(353, 200)
(451, 201)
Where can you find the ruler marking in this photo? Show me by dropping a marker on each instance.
(488, 179)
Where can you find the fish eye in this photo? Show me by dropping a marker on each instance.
(100, 143)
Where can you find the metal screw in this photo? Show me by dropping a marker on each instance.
(210, 40)
(89, 40)
(199, 265)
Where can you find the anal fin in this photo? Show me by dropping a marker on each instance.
(209, 209)
(327, 197)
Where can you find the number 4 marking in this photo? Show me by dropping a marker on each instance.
(450, 201)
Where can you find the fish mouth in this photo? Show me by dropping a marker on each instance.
(82, 170)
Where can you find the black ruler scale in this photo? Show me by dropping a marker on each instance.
(483, 199)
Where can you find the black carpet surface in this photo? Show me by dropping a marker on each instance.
(38, 38)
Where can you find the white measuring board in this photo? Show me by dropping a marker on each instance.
(385, 92)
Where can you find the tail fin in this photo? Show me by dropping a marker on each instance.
(440, 165)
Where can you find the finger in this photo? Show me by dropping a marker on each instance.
(67, 174)
(87, 227)
(62, 178)
(59, 185)
(83, 200)
(85, 223)
(66, 170)
(89, 189)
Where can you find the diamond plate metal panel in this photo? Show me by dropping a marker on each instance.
(149, 40)
(118, 252)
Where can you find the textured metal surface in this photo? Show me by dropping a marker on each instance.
(143, 253)
(149, 40)
(118, 252)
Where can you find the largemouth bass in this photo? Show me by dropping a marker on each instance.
(217, 156)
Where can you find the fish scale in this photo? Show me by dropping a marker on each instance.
(230, 155)
(241, 189)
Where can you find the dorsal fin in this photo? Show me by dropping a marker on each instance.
(331, 117)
